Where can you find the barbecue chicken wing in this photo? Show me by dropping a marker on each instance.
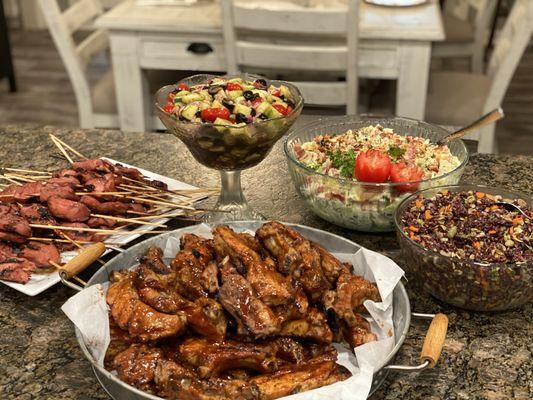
(313, 326)
(295, 257)
(359, 333)
(136, 365)
(138, 318)
(271, 287)
(206, 317)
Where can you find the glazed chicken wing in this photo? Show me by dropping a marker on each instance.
(313, 326)
(138, 318)
(136, 365)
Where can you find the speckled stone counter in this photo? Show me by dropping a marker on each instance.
(486, 356)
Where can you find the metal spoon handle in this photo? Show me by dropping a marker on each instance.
(489, 118)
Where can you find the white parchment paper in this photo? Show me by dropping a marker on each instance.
(88, 311)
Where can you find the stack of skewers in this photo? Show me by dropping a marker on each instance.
(44, 213)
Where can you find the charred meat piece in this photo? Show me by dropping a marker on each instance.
(21, 194)
(174, 381)
(95, 164)
(347, 299)
(295, 256)
(239, 299)
(120, 340)
(153, 259)
(139, 319)
(15, 224)
(69, 181)
(54, 189)
(101, 184)
(292, 379)
(12, 237)
(105, 223)
(136, 365)
(314, 326)
(105, 207)
(358, 334)
(207, 318)
(7, 251)
(157, 291)
(213, 357)
(331, 267)
(194, 274)
(37, 214)
(69, 210)
(132, 173)
(15, 269)
(81, 235)
(41, 254)
(271, 287)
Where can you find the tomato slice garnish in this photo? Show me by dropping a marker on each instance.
(233, 86)
(281, 109)
(211, 114)
(276, 93)
(168, 108)
(372, 166)
(183, 86)
(401, 172)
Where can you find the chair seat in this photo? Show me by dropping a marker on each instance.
(456, 98)
(103, 94)
(457, 30)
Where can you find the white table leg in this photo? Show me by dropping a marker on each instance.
(411, 90)
(131, 84)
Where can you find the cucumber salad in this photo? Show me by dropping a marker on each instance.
(369, 155)
(235, 102)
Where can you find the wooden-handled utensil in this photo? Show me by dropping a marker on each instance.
(489, 118)
(434, 340)
(83, 259)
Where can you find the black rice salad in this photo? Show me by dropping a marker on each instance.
(469, 225)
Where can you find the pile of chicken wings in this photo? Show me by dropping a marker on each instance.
(236, 317)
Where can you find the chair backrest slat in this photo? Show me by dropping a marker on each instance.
(510, 46)
(92, 45)
(80, 13)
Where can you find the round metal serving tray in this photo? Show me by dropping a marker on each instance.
(118, 389)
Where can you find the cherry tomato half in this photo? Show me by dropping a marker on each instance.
(276, 93)
(281, 109)
(401, 172)
(183, 86)
(210, 114)
(372, 166)
(233, 86)
(168, 108)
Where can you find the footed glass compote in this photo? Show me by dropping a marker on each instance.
(228, 148)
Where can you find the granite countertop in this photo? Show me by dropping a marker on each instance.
(486, 356)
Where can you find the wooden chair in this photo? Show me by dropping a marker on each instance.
(457, 98)
(287, 38)
(467, 25)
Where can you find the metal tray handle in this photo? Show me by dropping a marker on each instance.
(432, 346)
(83, 259)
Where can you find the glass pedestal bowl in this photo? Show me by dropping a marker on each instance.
(229, 149)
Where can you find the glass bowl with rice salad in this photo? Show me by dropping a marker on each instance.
(467, 250)
(354, 171)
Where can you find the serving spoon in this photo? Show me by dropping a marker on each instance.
(489, 118)
(509, 205)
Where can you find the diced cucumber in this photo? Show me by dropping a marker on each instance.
(205, 95)
(181, 94)
(272, 113)
(216, 104)
(281, 102)
(248, 87)
(189, 112)
(189, 98)
(260, 93)
(242, 109)
(233, 94)
(285, 91)
(236, 80)
(221, 121)
(240, 99)
(275, 99)
(263, 107)
(205, 104)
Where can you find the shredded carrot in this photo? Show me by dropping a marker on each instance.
(427, 215)
(494, 208)
(490, 197)
(492, 232)
(419, 203)
(413, 228)
(518, 221)
(445, 192)
(480, 195)
(413, 236)
(477, 245)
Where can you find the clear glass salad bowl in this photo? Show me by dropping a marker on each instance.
(362, 206)
(229, 149)
(462, 282)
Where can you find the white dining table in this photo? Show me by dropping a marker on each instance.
(395, 43)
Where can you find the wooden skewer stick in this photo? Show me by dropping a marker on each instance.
(10, 180)
(28, 171)
(165, 203)
(104, 231)
(131, 220)
(111, 245)
(69, 147)
(32, 177)
(79, 280)
(79, 246)
(61, 149)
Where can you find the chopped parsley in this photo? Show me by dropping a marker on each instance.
(344, 162)
(396, 152)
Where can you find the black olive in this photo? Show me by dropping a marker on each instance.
(253, 112)
(290, 103)
(263, 116)
(228, 105)
(261, 82)
(240, 118)
(198, 113)
(248, 95)
(212, 90)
